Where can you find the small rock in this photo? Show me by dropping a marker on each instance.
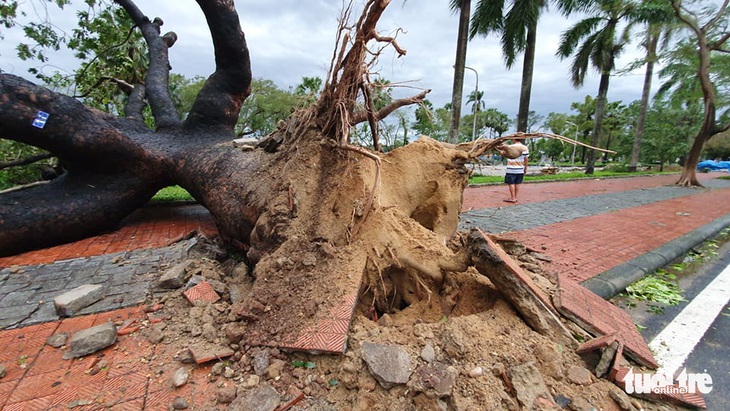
(174, 277)
(261, 362)
(3, 371)
(57, 340)
(241, 270)
(229, 373)
(155, 335)
(91, 340)
(476, 372)
(179, 378)
(529, 385)
(428, 354)
(210, 333)
(70, 302)
(309, 260)
(385, 321)
(180, 403)
(622, 400)
(251, 381)
(389, 364)
(435, 378)
(579, 375)
(226, 395)
(274, 369)
(261, 398)
(217, 368)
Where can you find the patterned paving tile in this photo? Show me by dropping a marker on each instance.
(599, 317)
(202, 292)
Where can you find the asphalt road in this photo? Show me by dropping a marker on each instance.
(712, 354)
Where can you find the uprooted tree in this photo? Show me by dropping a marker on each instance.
(305, 187)
(303, 194)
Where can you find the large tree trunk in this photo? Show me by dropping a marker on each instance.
(709, 127)
(651, 45)
(528, 67)
(460, 62)
(598, 125)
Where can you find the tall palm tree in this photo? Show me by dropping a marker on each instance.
(464, 9)
(518, 28)
(595, 41)
(659, 18)
(516, 22)
(476, 98)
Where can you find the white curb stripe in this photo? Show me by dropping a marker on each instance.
(672, 346)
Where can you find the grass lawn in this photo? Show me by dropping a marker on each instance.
(172, 193)
(479, 179)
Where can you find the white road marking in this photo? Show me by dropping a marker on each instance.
(672, 346)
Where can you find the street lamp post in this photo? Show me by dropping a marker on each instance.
(476, 104)
(572, 156)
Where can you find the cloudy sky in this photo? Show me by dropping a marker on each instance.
(289, 39)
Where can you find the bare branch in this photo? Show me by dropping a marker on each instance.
(158, 73)
(385, 39)
(25, 161)
(717, 45)
(360, 116)
(369, 112)
(717, 16)
(220, 100)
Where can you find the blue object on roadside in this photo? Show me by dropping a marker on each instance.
(40, 119)
(714, 165)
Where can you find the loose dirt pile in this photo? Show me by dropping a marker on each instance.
(481, 356)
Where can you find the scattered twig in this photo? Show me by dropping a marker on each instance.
(25, 161)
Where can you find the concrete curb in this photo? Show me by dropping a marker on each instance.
(610, 283)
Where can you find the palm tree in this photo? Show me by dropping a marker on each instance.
(516, 22)
(464, 8)
(476, 100)
(594, 41)
(659, 17)
(518, 27)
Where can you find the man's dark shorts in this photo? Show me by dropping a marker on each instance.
(513, 178)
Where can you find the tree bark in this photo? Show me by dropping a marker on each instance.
(651, 45)
(528, 68)
(709, 127)
(598, 125)
(460, 62)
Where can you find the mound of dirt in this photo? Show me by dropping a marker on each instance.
(481, 356)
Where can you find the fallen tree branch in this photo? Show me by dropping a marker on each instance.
(480, 146)
(25, 161)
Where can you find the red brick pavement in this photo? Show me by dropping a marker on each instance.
(585, 247)
(137, 375)
(492, 195)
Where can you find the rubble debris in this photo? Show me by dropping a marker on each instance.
(530, 387)
(389, 364)
(91, 340)
(71, 302)
(494, 263)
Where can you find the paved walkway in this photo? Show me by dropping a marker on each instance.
(587, 228)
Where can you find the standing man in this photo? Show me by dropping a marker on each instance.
(516, 168)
